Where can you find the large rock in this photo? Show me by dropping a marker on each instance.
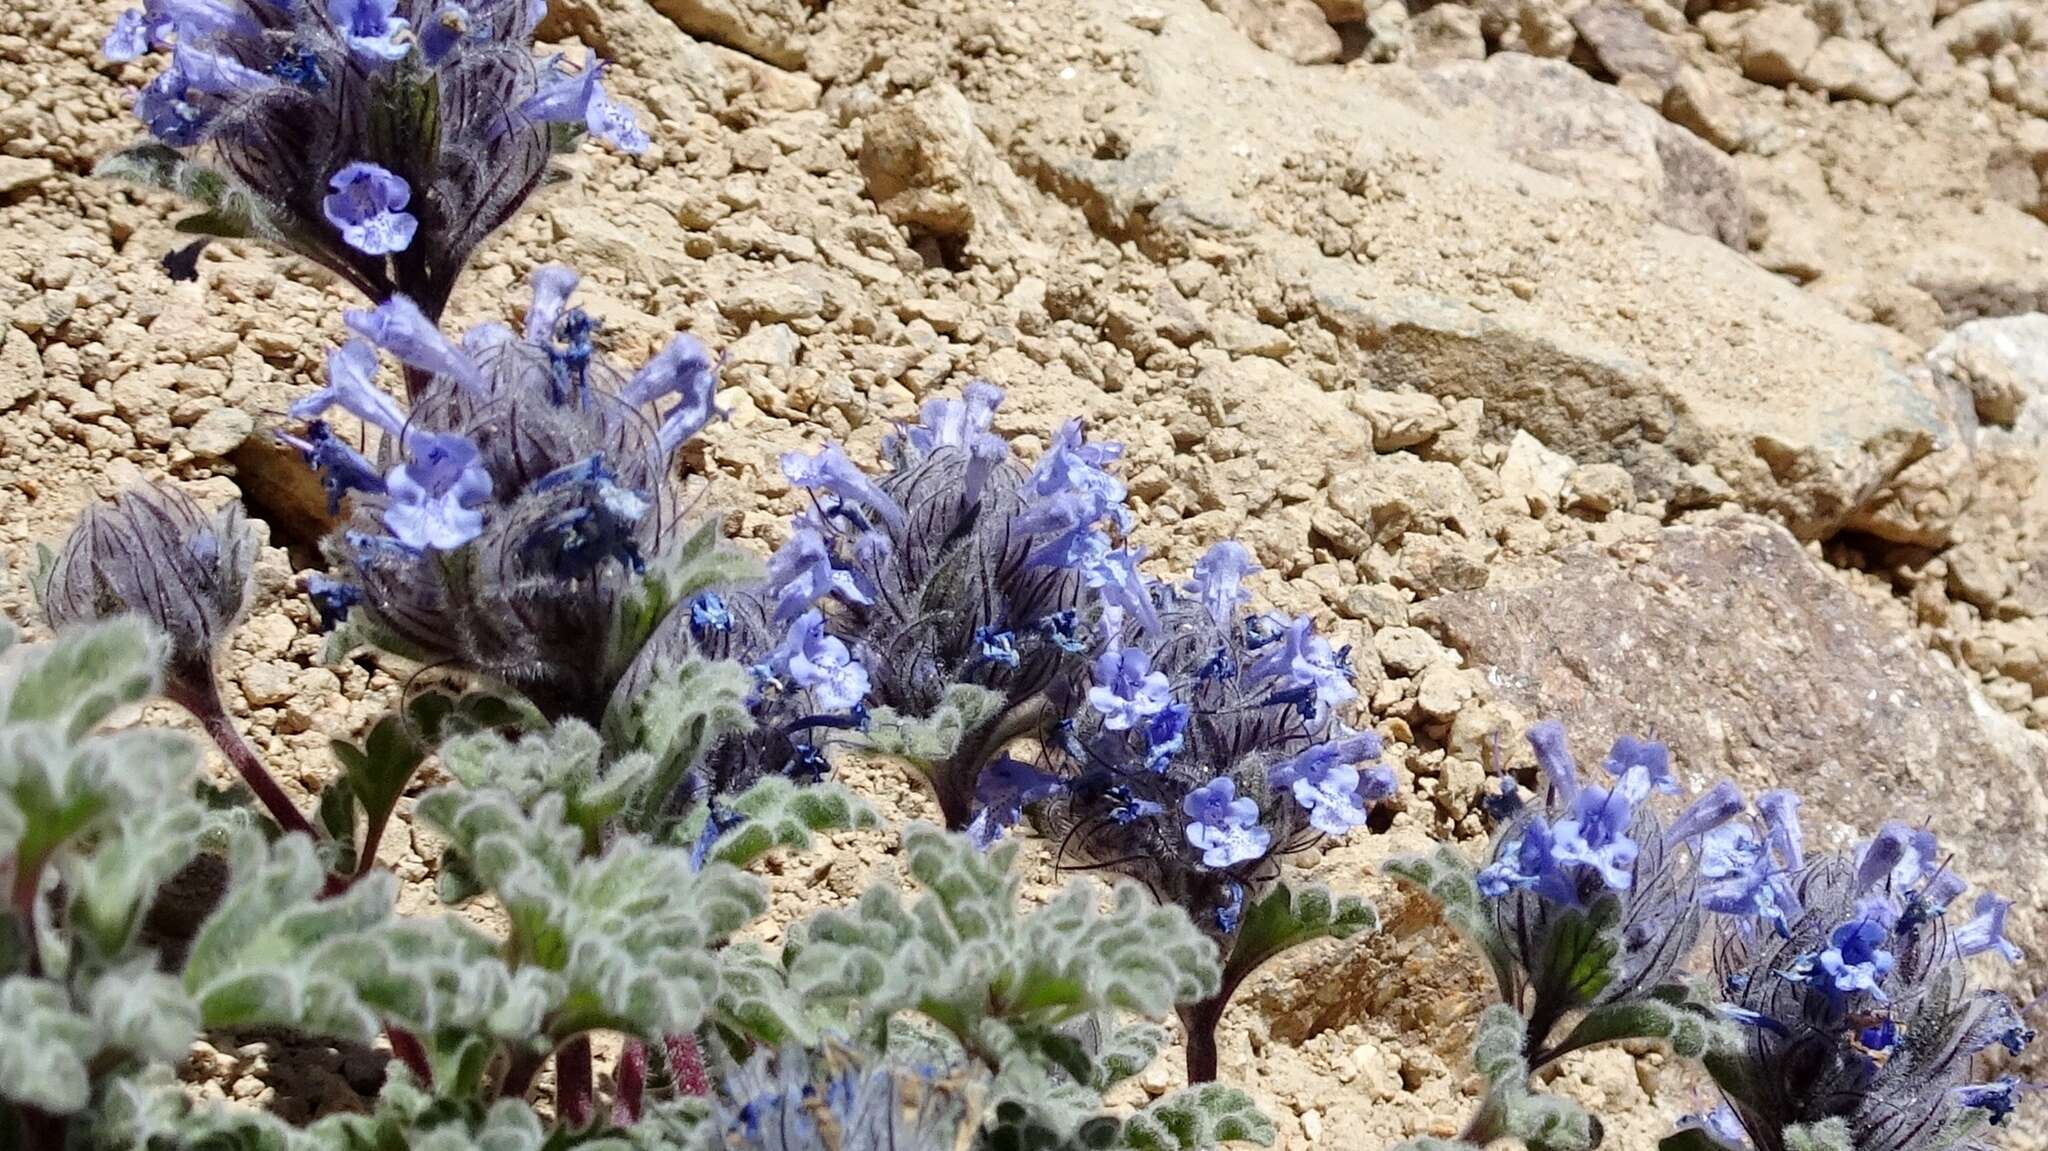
(770, 30)
(2002, 365)
(930, 171)
(1296, 29)
(1752, 660)
(1607, 336)
(1555, 118)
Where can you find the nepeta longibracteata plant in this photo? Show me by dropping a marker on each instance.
(1584, 916)
(381, 139)
(959, 580)
(1855, 1027)
(1203, 746)
(519, 523)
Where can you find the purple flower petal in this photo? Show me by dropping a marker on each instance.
(398, 326)
(367, 208)
(352, 386)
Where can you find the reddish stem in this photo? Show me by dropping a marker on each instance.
(22, 898)
(686, 1064)
(632, 1084)
(200, 695)
(575, 1088)
(409, 1051)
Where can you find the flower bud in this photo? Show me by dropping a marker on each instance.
(153, 552)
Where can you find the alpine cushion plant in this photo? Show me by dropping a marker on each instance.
(1855, 1026)
(1584, 916)
(1204, 745)
(519, 522)
(959, 580)
(381, 139)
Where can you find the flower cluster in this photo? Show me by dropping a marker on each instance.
(1206, 744)
(383, 139)
(842, 1099)
(1849, 990)
(154, 553)
(961, 566)
(513, 507)
(1602, 855)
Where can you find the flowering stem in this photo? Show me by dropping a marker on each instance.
(632, 1084)
(574, 1087)
(200, 695)
(407, 1047)
(519, 1076)
(22, 898)
(1200, 1019)
(686, 1064)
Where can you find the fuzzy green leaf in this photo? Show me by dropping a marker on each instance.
(263, 957)
(78, 682)
(631, 932)
(1287, 918)
(1200, 1117)
(566, 760)
(113, 887)
(43, 1047)
(702, 562)
(996, 976)
(780, 814)
(1832, 1135)
(681, 714)
(930, 739)
(1689, 1028)
(754, 998)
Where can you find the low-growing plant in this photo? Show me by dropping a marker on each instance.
(1585, 916)
(1202, 747)
(959, 580)
(381, 139)
(1855, 1026)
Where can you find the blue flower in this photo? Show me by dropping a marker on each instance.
(831, 470)
(351, 386)
(1062, 629)
(1640, 767)
(367, 207)
(1005, 788)
(998, 646)
(709, 614)
(435, 493)
(398, 326)
(1116, 578)
(1594, 833)
(332, 598)
(1721, 1123)
(1067, 494)
(949, 423)
(1720, 803)
(1219, 580)
(1303, 664)
(1165, 735)
(553, 284)
(376, 35)
(445, 30)
(1126, 689)
(580, 98)
(821, 664)
(1780, 812)
(1899, 857)
(1554, 759)
(1855, 959)
(802, 572)
(1985, 930)
(134, 34)
(342, 469)
(1224, 828)
(684, 369)
(1528, 862)
(1998, 1097)
(574, 541)
(1325, 781)
(1736, 877)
